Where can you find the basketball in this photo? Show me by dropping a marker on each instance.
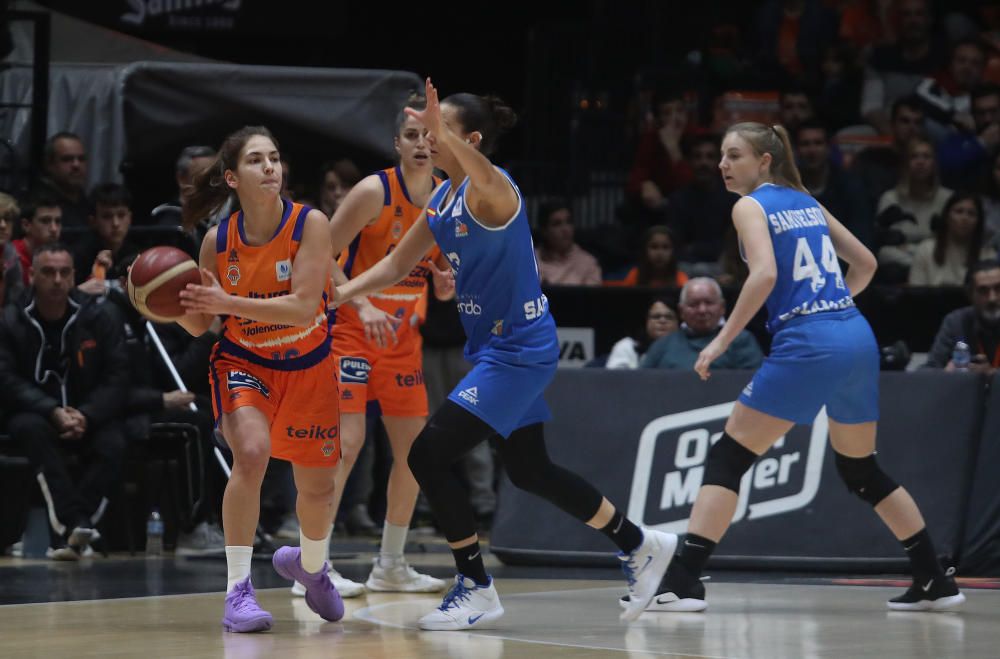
(156, 279)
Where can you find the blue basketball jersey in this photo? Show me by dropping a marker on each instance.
(500, 300)
(809, 278)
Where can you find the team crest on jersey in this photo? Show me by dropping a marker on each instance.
(283, 270)
(397, 226)
(242, 380)
(461, 229)
(354, 369)
(497, 328)
(399, 211)
(233, 274)
(329, 446)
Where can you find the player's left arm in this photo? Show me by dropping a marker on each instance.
(310, 273)
(751, 225)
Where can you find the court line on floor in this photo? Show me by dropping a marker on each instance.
(367, 614)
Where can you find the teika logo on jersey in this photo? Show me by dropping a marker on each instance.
(354, 369)
(670, 466)
(312, 432)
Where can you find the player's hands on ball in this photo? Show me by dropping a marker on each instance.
(380, 327)
(209, 298)
(707, 356)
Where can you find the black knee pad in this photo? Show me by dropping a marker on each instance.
(865, 478)
(726, 463)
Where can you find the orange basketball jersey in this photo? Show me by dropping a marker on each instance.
(376, 240)
(265, 271)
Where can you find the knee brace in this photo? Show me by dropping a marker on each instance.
(865, 478)
(726, 463)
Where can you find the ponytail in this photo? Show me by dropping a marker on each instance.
(773, 140)
(489, 115)
(208, 191)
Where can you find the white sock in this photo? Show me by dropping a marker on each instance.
(393, 542)
(238, 564)
(314, 552)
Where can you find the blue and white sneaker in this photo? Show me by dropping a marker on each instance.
(465, 606)
(644, 568)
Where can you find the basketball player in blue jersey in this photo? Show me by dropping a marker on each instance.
(823, 353)
(477, 217)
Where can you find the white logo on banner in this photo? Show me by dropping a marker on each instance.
(673, 480)
(576, 346)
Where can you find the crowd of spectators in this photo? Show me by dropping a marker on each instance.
(894, 111)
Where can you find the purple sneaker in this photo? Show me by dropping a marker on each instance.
(243, 613)
(321, 595)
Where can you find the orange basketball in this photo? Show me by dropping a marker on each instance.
(156, 279)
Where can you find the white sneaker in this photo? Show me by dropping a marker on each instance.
(400, 577)
(644, 568)
(466, 605)
(344, 586)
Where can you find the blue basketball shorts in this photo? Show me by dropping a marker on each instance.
(505, 396)
(829, 359)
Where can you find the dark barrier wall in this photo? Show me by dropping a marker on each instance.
(981, 554)
(642, 437)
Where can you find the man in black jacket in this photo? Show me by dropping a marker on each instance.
(63, 372)
(978, 325)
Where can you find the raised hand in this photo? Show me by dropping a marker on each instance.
(431, 116)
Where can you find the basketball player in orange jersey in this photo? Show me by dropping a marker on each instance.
(266, 272)
(376, 339)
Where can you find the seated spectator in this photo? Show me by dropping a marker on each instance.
(733, 270)
(700, 211)
(790, 37)
(659, 167)
(840, 91)
(879, 167)
(100, 254)
(977, 325)
(794, 107)
(839, 191)
(63, 373)
(905, 212)
(990, 188)
(66, 177)
(561, 262)
(966, 154)
(191, 159)
(956, 246)
(947, 96)
(894, 70)
(11, 279)
(657, 263)
(661, 320)
(336, 180)
(702, 309)
(41, 223)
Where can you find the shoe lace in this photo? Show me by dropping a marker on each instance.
(245, 599)
(456, 595)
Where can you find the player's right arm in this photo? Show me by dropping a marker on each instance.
(863, 263)
(395, 266)
(194, 322)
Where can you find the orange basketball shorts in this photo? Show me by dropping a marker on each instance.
(301, 406)
(393, 376)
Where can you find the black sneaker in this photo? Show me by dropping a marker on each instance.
(679, 591)
(938, 593)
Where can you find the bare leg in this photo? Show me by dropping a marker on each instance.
(898, 510)
(352, 436)
(401, 494)
(314, 504)
(248, 434)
